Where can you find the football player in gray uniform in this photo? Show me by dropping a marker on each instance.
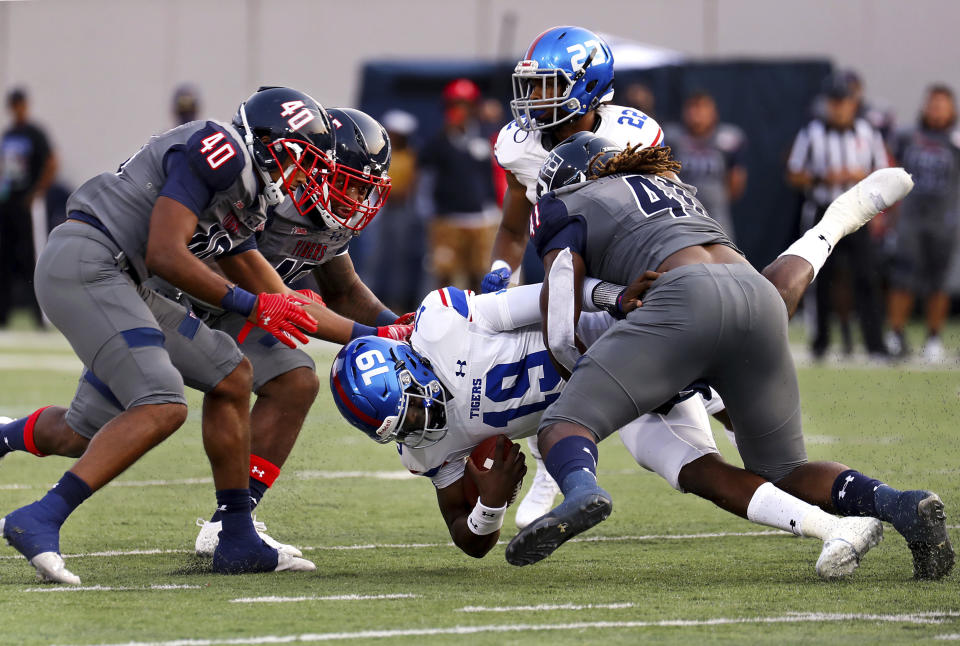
(709, 317)
(297, 246)
(199, 191)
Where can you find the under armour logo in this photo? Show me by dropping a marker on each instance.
(460, 366)
(793, 527)
(843, 490)
(221, 507)
(562, 527)
(257, 471)
(266, 320)
(826, 242)
(7, 442)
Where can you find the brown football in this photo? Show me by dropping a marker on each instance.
(483, 456)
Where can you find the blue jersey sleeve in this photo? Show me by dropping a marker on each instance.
(552, 227)
(210, 161)
(250, 244)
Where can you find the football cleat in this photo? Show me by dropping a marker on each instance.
(289, 563)
(877, 192)
(539, 500)
(51, 569)
(541, 538)
(846, 546)
(927, 537)
(209, 537)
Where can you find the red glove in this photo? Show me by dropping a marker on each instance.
(395, 332)
(406, 319)
(312, 295)
(281, 315)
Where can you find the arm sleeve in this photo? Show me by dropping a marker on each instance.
(250, 244)
(210, 162)
(183, 185)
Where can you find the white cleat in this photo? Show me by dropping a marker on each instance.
(539, 500)
(51, 569)
(209, 538)
(933, 351)
(289, 563)
(880, 190)
(847, 544)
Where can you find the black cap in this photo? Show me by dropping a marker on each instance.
(837, 86)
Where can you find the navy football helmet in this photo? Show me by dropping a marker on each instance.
(389, 392)
(360, 184)
(288, 131)
(574, 159)
(566, 72)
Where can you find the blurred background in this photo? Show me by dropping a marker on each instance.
(98, 77)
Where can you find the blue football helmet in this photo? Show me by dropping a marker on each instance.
(566, 72)
(374, 381)
(573, 160)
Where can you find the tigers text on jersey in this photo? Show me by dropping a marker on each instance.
(523, 153)
(294, 245)
(218, 164)
(623, 225)
(498, 382)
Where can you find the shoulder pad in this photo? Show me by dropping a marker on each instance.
(444, 313)
(628, 126)
(512, 143)
(215, 156)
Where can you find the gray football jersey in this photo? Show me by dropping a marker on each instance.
(295, 245)
(219, 164)
(623, 225)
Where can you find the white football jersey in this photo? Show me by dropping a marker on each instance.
(500, 381)
(523, 153)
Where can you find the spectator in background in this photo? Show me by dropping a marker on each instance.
(641, 97)
(712, 154)
(393, 265)
(925, 231)
(27, 168)
(830, 155)
(458, 176)
(186, 104)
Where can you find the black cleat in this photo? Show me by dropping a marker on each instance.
(542, 537)
(933, 555)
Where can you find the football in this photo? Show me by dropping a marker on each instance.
(482, 457)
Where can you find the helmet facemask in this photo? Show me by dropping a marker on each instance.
(555, 104)
(433, 427)
(355, 196)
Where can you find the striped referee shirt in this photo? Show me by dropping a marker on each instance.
(819, 149)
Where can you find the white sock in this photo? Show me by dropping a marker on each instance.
(776, 508)
(534, 447)
(814, 246)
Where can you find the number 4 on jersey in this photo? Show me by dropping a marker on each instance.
(219, 155)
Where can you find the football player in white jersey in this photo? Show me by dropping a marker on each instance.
(563, 85)
(478, 368)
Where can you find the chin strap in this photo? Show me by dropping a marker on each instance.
(272, 191)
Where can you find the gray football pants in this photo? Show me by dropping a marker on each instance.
(724, 324)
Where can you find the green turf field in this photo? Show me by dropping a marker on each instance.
(665, 568)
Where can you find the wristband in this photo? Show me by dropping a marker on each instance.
(485, 520)
(238, 300)
(500, 264)
(386, 317)
(359, 329)
(609, 297)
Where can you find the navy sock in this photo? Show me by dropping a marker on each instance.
(855, 494)
(233, 507)
(573, 463)
(65, 496)
(11, 436)
(257, 491)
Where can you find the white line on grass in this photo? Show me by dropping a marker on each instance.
(952, 637)
(337, 597)
(806, 617)
(380, 546)
(107, 588)
(546, 606)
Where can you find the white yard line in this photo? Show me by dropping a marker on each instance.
(799, 617)
(337, 597)
(546, 606)
(107, 588)
(296, 475)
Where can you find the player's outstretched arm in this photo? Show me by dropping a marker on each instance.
(346, 294)
(579, 269)
(512, 235)
(475, 528)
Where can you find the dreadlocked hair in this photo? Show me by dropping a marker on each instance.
(642, 161)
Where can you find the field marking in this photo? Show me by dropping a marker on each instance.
(546, 606)
(336, 475)
(949, 637)
(378, 546)
(336, 597)
(107, 588)
(935, 617)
